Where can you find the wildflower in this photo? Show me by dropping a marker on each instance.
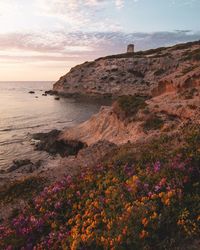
(58, 205)
(154, 215)
(157, 187)
(133, 183)
(145, 222)
(156, 167)
(143, 234)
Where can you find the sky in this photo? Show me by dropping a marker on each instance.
(43, 39)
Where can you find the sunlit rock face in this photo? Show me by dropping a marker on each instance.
(151, 73)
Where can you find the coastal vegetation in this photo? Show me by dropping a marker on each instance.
(152, 123)
(142, 197)
(128, 106)
(23, 189)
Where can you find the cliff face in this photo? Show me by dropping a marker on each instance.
(151, 73)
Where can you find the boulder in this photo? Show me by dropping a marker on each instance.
(51, 143)
(23, 166)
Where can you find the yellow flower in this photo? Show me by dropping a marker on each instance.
(96, 204)
(70, 221)
(74, 245)
(170, 194)
(144, 199)
(129, 209)
(161, 194)
(154, 215)
(167, 201)
(42, 210)
(154, 196)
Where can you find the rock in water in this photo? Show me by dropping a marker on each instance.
(51, 143)
(23, 166)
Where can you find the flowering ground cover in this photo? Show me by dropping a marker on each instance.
(145, 203)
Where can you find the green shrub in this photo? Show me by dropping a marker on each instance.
(153, 123)
(128, 106)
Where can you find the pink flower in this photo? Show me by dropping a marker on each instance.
(156, 167)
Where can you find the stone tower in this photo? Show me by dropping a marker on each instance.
(130, 48)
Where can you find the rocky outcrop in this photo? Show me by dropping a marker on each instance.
(51, 143)
(22, 166)
(151, 73)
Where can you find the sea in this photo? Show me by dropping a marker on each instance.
(22, 114)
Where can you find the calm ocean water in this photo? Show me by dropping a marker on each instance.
(22, 113)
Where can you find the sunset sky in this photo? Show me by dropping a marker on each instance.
(43, 39)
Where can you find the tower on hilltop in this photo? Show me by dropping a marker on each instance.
(130, 48)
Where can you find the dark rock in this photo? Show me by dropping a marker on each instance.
(57, 98)
(52, 135)
(51, 92)
(44, 94)
(31, 92)
(51, 143)
(18, 164)
(23, 166)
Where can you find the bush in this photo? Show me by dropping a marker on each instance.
(23, 189)
(153, 123)
(128, 106)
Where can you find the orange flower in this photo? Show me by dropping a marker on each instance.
(144, 234)
(145, 222)
(154, 215)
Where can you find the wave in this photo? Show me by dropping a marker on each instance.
(9, 142)
(21, 128)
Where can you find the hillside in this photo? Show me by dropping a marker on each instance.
(150, 72)
(134, 181)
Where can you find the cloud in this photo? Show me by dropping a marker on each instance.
(62, 45)
(79, 14)
(59, 51)
(8, 7)
(119, 3)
